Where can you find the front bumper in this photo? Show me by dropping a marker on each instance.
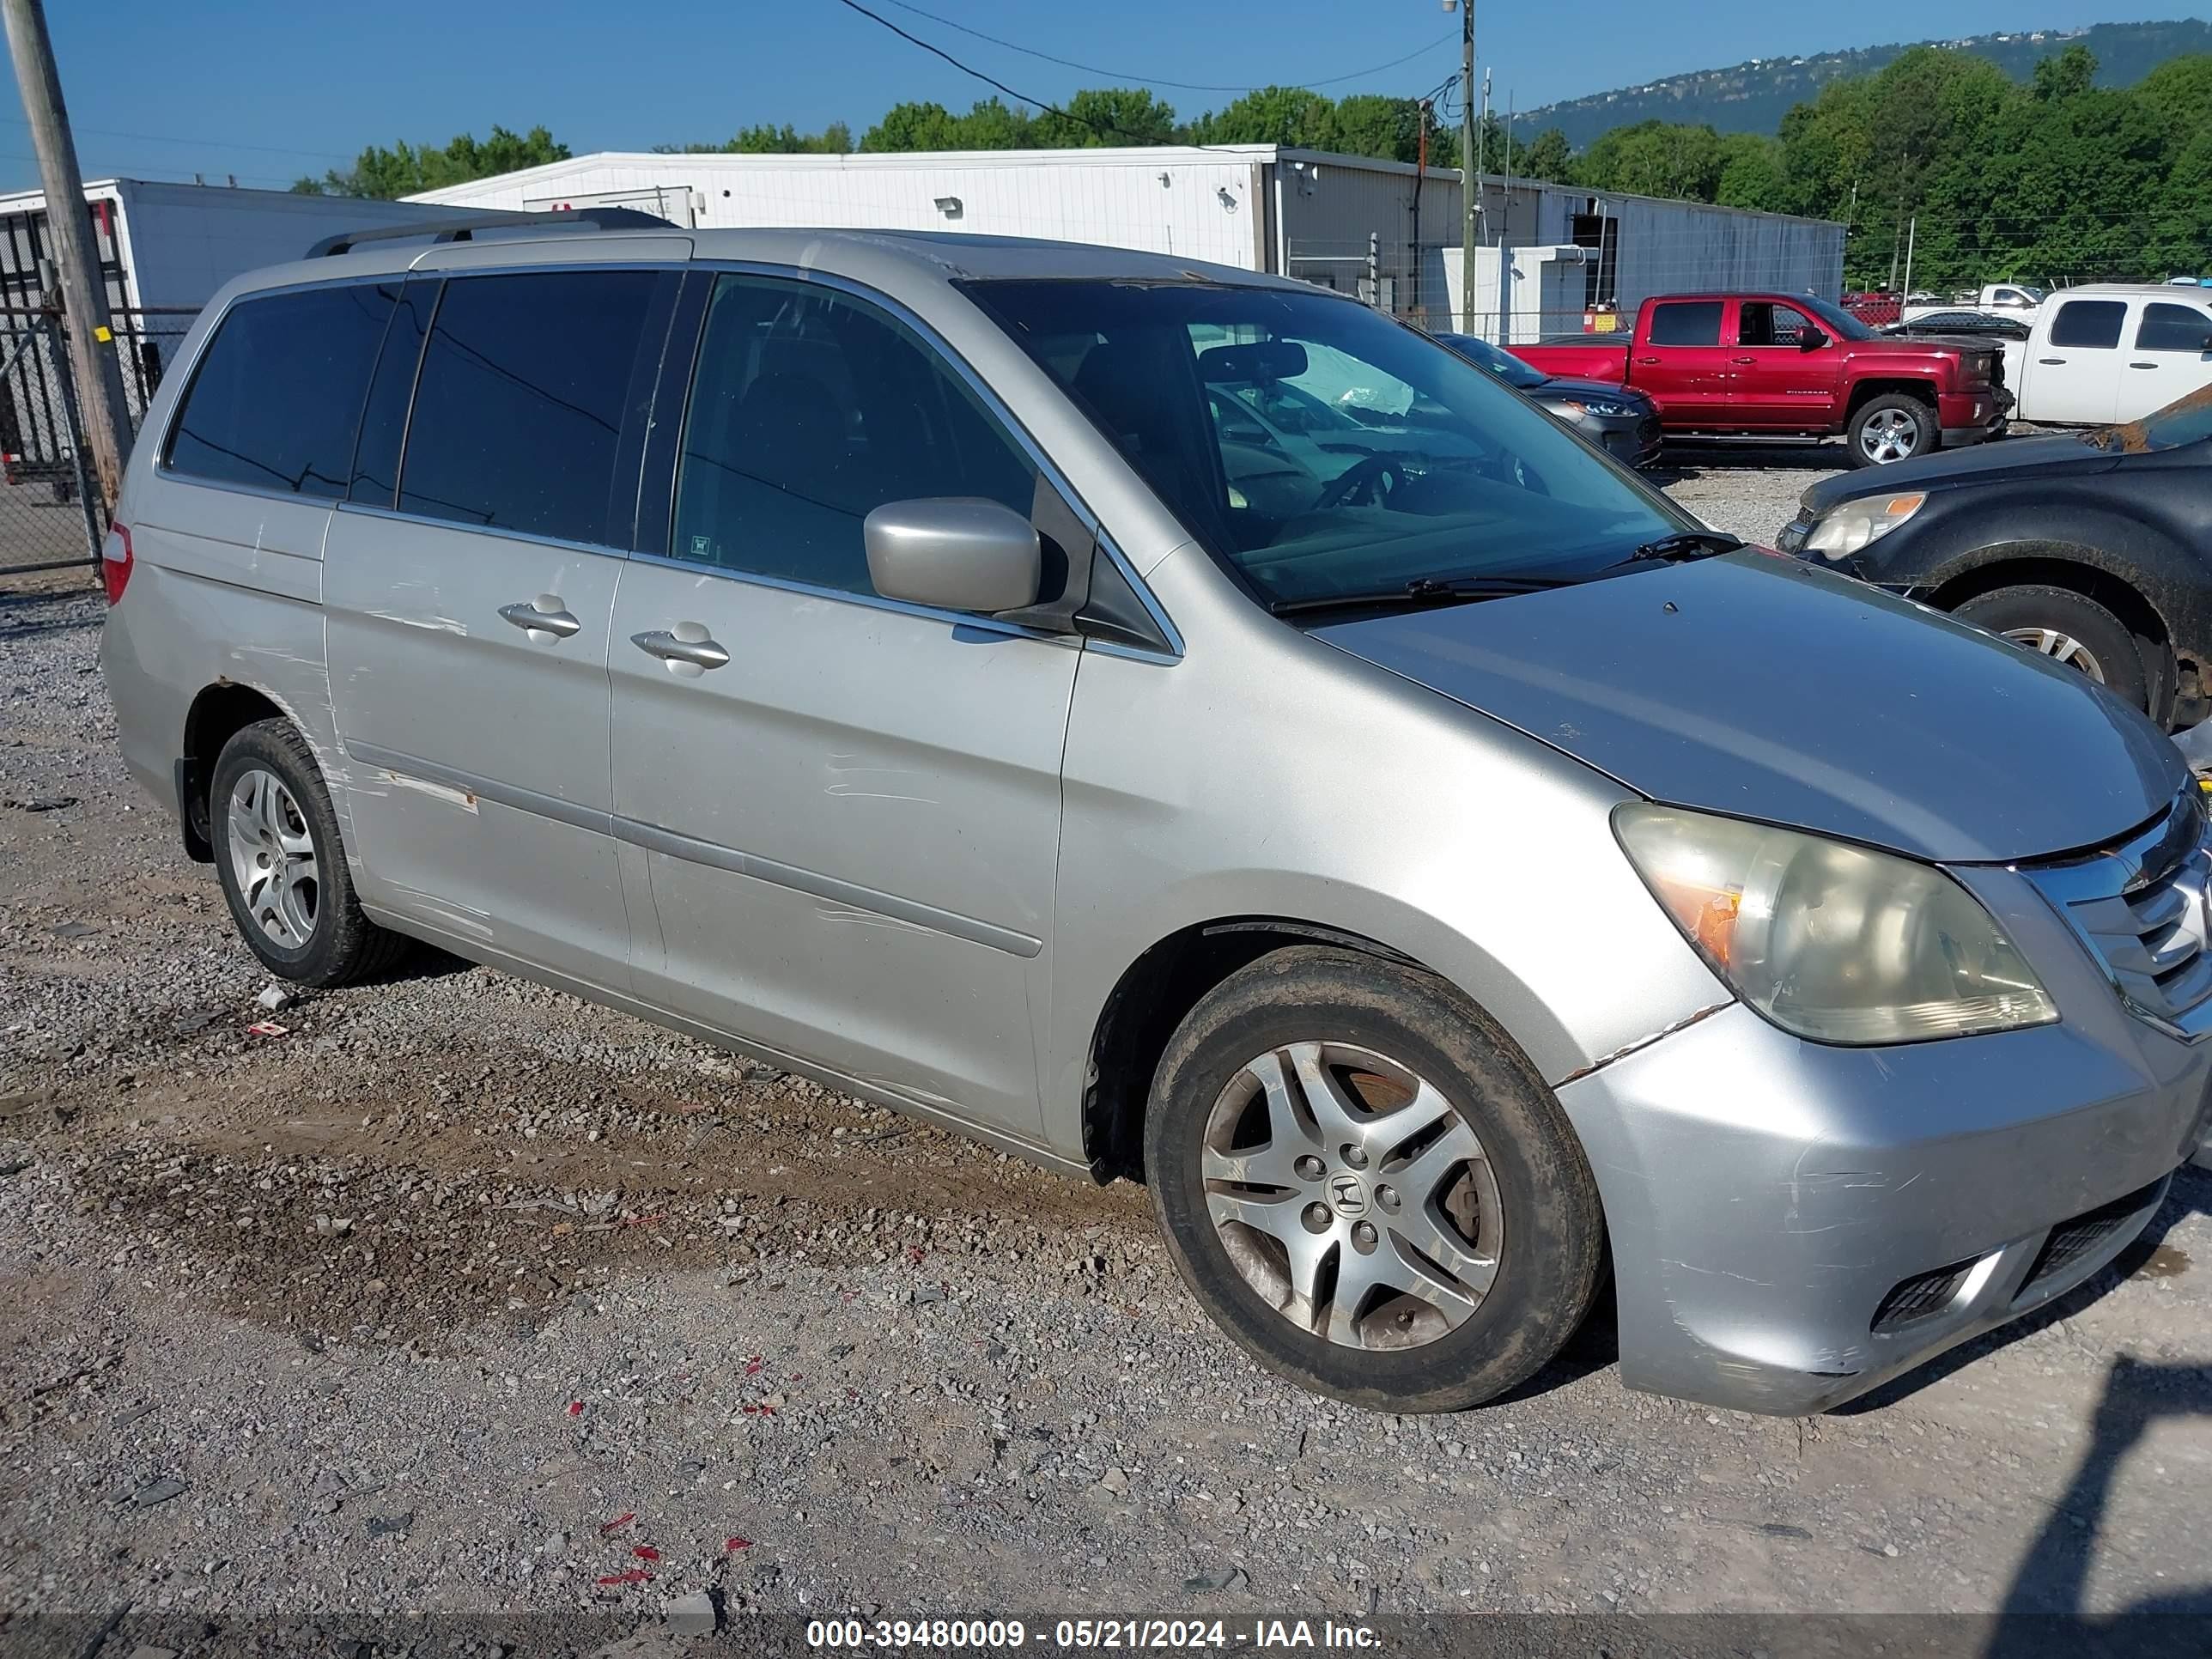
(1769, 1201)
(1635, 440)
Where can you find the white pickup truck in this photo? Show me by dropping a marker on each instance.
(2109, 352)
(2014, 299)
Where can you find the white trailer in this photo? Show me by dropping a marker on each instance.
(165, 249)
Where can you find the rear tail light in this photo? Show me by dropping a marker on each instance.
(115, 562)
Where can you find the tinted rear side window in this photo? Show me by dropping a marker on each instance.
(2090, 324)
(2172, 328)
(1694, 323)
(383, 415)
(519, 407)
(277, 395)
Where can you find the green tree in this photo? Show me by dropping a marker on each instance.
(1291, 116)
(1546, 157)
(1372, 124)
(1751, 174)
(405, 170)
(1656, 158)
(1102, 116)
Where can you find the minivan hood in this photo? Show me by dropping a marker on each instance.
(1754, 685)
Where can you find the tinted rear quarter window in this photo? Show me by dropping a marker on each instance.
(1689, 322)
(2172, 328)
(277, 395)
(520, 410)
(2090, 324)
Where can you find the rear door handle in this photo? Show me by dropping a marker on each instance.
(543, 614)
(2142, 365)
(680, 654)
(1745, 361)
(2052, 363)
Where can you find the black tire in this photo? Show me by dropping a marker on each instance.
(343, 945)
(1552, 1250)
(2122, 662)
(1880, 413)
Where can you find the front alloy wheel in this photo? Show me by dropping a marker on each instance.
(1352, 1196)
(1367, 1185)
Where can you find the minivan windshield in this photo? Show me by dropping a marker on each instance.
(1318, 450)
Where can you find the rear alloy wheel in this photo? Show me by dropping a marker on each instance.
(2074, 632)
(1893, 428)
(1367, 1188)
(282, 866)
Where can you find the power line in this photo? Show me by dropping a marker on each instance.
(989, 80)
(1156, 81)
(210, 143)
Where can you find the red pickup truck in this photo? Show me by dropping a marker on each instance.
(1771, 365)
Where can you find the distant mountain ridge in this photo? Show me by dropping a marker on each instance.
(1754, 96)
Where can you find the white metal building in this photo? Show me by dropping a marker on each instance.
(1378, 228)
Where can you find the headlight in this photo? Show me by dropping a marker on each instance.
(1829, 940)
(1599, 407)
(1855, 524)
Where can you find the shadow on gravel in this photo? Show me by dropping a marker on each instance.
(29, 614)
(2192, 1191)
(2138, 1395)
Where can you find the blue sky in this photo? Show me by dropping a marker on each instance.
(268, 89)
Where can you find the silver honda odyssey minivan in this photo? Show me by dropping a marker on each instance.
(1170, 722)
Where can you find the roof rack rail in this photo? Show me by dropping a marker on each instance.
(464, 230)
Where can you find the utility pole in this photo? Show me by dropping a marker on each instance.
(92, 362)
(1911, 235)
(1470, 177)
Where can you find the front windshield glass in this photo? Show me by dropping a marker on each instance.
(1319, 449)
(1503, 364)
(1838, 322)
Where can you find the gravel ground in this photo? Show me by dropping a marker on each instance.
(464, 1296)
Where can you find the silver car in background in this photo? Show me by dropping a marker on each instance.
(1437, 867)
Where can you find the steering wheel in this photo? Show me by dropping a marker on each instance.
(1359, 483)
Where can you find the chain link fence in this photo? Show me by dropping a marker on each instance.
(50, 515)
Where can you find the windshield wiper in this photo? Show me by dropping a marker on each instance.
(1422, 591)
(1687, 544)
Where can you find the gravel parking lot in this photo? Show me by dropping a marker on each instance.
(464, 1296)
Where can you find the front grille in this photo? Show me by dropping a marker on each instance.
(1920, 1296)
(2141, 907)
(1647, 429)
(2070, 1240)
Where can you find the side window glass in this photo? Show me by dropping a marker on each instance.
(518, 412)
(1761, 323)
(810, 410)
(2090, 324)
(278, 394)
(383, 417)
(1688, 323)
(2173, 328)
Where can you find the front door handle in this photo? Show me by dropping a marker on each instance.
(2142, 365)
(686, 647)
(543, 614)
(2051, 362)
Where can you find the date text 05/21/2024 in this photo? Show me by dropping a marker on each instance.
(1099, 1634)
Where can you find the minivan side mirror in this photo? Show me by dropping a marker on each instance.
(1810, 338)
(955, 553)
